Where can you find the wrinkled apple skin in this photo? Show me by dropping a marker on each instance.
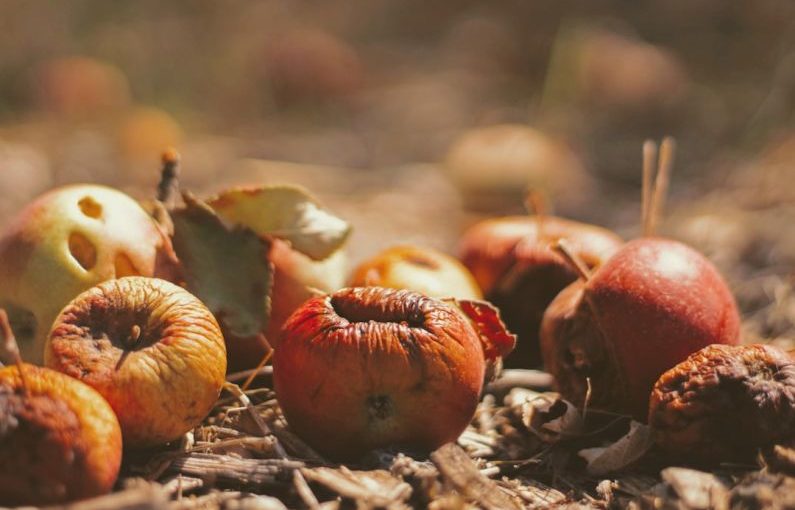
(371, 367)
(61, 442)
(648, 308)
(422, 270)
(518, 270)
(163, 384)
(42, 248)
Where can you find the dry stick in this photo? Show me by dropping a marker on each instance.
(263, 361)
(575, 262)
(11, 348)
(298, 478)
(536, 204)
(649, 158)
(169, 175)
(665, 164)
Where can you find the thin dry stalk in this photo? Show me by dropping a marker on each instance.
(649, 158)
(661, 181)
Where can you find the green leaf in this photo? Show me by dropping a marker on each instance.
(227, 268)
(285, 212)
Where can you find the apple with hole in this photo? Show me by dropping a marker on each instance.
(152, 349)
(423, 270)
(67, 241)
(371, 367)
(514, 263)
(60, 439)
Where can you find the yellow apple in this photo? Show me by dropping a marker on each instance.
(424, 270)
(67, 241)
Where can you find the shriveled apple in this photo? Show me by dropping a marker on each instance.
(152, 349)
(66, 241)
(372, 367)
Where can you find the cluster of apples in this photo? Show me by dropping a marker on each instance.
(128, 354)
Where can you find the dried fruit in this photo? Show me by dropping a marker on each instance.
(152, 349)
(513, 261)
(423, 270)
(60, 439)
(371, 367)
(724, 403)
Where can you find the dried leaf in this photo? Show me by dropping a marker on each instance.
(285, 212)
(227, 268)
(497, 341)
(551, 418)
(628, 449)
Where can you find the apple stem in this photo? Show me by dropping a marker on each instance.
(575, 262)
(262, 363)
(536, 204)
(11, 348)
(649, 157)
(169, 175)
(665, 165)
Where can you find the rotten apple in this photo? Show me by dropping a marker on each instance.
(371, 367)
(60, 440)
(514, 263)
(608, 337)
(152, 349)
(66, 241)
(423, 270)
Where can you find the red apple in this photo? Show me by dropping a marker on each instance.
(81, 86)
(423, 270)
(371, 367)
(514, 263)
(649, 307)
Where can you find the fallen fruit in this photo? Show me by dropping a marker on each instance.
(514, 263)
(80, 87)
(646, 309)
(495, 165)
(372, 367)
(422, 270)
(66, 241)
(724, 403)
(152, 349)
(60, 439)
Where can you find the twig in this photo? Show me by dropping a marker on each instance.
(649, 158)
(245, 374)
(664, 166)
(11, 349)
(574, 261)
(228, 471)
(263, 361)
(169, 175)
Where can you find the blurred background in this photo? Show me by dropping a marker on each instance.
(412, 119)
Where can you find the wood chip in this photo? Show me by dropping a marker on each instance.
(462, 474)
